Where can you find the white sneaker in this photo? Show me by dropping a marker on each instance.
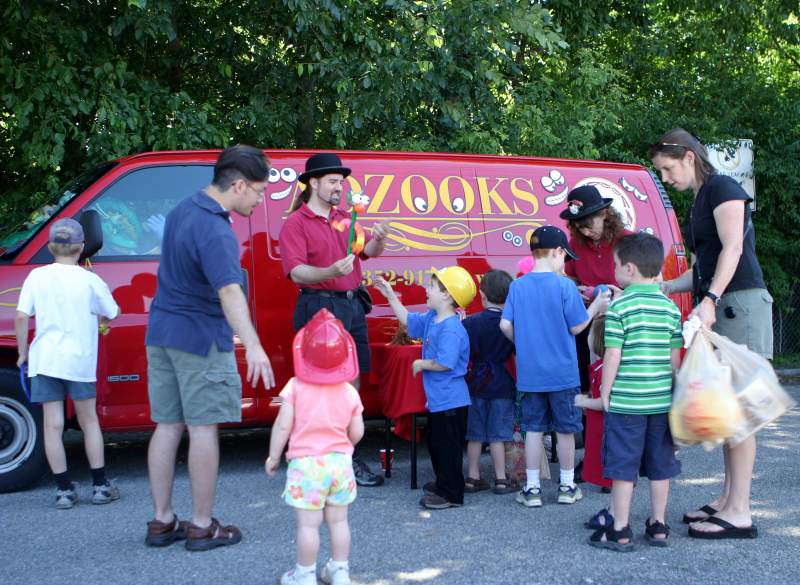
(337, 576)
(291, 577)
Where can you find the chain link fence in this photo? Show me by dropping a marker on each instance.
(786, 326)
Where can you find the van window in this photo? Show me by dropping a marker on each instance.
(133, 209)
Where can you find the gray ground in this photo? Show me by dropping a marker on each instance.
(491, 540)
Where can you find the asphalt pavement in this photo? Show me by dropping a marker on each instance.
(491, 540)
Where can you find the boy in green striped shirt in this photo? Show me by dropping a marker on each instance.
(643, 340)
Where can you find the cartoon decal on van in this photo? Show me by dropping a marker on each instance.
(632, 189)
(551, 183)
(287, 175)
(446, 217)
(622, 202)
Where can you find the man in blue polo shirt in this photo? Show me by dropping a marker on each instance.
(192, 377)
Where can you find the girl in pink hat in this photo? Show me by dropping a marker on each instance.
(320, 417)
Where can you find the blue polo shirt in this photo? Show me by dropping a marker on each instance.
(199, 256)
(447, 343)
(543, 306)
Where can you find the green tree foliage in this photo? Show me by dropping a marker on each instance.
(84, 82)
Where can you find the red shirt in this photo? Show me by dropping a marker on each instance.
(308, 238)
(595, 263)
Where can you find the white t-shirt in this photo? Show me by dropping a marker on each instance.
(67, 301)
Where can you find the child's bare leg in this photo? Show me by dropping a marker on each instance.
(498, 451)
(621, 494)
(659, 493)
(92, 435)
(566, 450)
(53, 436)
(533, 450)
(474, 459)
(308, 523)
(339, 529)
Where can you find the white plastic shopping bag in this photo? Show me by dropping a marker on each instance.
(704, 409)
(760, 394)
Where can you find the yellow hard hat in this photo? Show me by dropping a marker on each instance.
(458, 282)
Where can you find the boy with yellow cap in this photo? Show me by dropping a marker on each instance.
(445, 354)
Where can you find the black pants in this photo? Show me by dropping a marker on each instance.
(446, 435)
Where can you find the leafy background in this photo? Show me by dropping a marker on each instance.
(85, 82)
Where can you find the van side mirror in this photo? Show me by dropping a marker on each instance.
(92, 232)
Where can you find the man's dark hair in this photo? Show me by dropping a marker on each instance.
(240, 162)
(494, 285)
(644, 251)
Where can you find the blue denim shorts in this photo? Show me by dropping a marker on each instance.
(638, 445)
(543, 412)
(48, 389)
(490, 420)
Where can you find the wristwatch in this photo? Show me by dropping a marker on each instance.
(713, 297)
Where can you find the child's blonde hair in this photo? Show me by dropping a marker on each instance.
(64, 250)
(597, 335)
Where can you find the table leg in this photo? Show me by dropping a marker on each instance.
(387, 444)
(413, 451)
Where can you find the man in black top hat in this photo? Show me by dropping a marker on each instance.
(314, 256)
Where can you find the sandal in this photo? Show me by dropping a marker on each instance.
(653, 530)
(728, 530)
(165, 533)
(505, 486)
(707, 510)
(215, 535)
(472, 485)
(600, 520)
(609, 538)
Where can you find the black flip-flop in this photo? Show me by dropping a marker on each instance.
(728, 530)
(705, 509)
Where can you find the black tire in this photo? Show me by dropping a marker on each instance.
(22, 458)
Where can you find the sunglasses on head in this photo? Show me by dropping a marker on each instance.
(667, 146)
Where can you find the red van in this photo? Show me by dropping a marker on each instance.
(442, 209)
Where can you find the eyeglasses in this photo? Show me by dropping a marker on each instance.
(262, 192)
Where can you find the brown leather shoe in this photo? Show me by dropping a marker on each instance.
(165, 533)
(212, 536)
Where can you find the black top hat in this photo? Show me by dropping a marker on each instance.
(583, 202)
(323, 163)
(549, 237)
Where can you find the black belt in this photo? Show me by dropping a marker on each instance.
(344, 294)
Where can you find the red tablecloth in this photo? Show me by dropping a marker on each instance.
(401, 392)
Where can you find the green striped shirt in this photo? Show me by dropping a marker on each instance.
(646, 325)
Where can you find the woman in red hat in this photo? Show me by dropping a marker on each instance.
(320, 417)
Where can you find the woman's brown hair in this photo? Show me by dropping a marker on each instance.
(613, 226)
(303, 197)
(676, 143)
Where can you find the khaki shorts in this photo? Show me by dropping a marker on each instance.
(745, 316)
(192, 389)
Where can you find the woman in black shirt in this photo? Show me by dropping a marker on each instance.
(730, 296)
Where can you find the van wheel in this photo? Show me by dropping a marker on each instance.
(22, 458)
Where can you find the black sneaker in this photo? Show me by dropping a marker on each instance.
(364, 476)
(429, 488)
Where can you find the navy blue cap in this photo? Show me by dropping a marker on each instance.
(549, 237)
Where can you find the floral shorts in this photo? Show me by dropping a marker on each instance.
(311, 482)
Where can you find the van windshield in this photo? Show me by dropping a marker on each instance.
(13, 238)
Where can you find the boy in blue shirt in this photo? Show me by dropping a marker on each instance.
(542, 315)
(491, 387)
(445, 353)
